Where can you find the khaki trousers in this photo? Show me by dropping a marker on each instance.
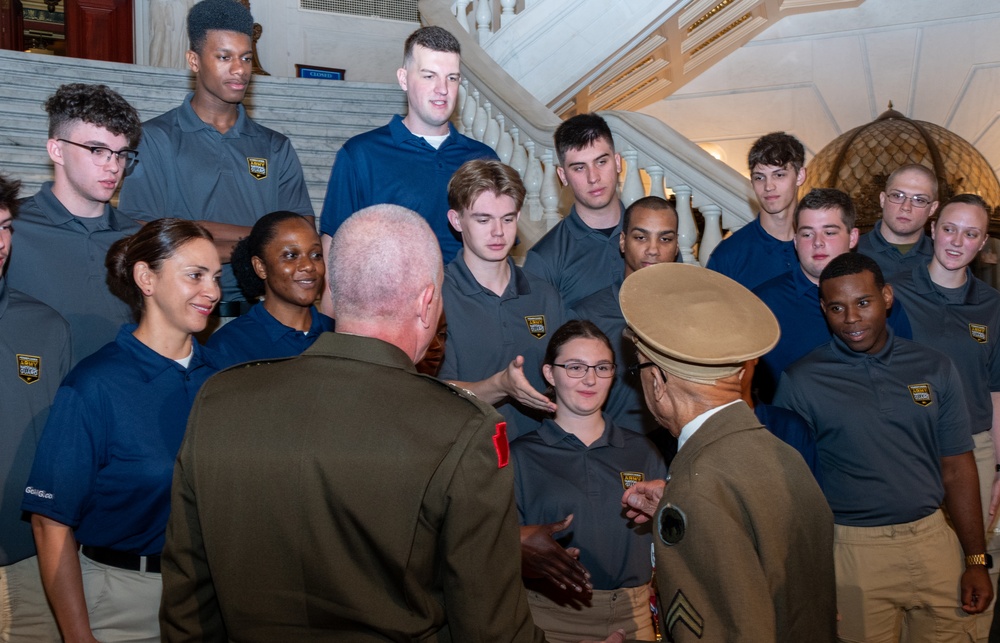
(626, 608)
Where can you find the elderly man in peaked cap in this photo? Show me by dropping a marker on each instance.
(743, 535)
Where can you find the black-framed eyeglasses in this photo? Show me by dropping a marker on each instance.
(635, 369)
(918, 201)
(101, 156)
(577, 370)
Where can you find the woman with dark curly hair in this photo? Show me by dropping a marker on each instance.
(281, 261)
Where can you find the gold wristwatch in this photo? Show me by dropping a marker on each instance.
(979, 559)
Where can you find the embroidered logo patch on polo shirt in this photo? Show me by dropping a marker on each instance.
(536, 325)
(257, 167)
(629, 478)
(979, 333)
(921, 394)
(29, 368)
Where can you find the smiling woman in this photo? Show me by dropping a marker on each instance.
(103, 468)
(281, 261)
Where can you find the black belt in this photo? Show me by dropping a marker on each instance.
(121, 559)
(231, 308)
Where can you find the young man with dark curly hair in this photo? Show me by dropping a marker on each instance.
(64, 231)
(207, 160)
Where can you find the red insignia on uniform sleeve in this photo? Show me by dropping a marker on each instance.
(501, 445)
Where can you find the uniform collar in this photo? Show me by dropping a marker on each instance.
(720, 422)
(764, 239)
(362, 349)
(274, 329)
(189, 121)
(468, 285)
(552, 434)
(923, 284)
(579, 229)
(150, 363)
(52, 209)
(401, 134)
(924, 246)
(803, 285)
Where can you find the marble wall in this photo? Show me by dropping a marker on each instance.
(820, 75)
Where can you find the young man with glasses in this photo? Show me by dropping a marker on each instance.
(65, 230)
(898, 243)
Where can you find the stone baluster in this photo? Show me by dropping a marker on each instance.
(518, 157)
(479, 124)
(463, 94)
(484, 20)
(550, 189)
(632, 187)
(469, 111)
(532, 184)
(712, 235)
(492, 135)
(506, 11)
(461, 13)
(505, 146)
(687, 230)
(655, 173)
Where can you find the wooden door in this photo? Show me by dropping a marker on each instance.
(11, 25)
(99, 30)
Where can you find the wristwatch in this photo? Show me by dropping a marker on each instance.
(979, 559)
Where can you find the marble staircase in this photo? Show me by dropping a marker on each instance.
(318, 116)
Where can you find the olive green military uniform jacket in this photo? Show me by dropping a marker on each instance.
(340, 496)
(744, 539)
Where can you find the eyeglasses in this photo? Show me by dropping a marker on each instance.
(101, 156)
(635, 369)
(919, 201)
(577, 370)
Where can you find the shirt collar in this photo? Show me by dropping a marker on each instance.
(924, 246)
(53, 209)
(275, 330)
(579, 229)
(150, 363)
(402, 134)
(803, 285)
(189, 120)
(925, 286)
(552, 434)
(468, 285)
(844, 352)
(691, 427)
(4, 296)
(362, 349)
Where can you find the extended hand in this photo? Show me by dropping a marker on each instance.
(516, 385)
(642, 499)
(543, 557)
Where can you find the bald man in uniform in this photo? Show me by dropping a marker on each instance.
(742, 533)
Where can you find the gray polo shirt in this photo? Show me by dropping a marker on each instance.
(966, 331)
(59, 260)
(34, 358)
(555, 474)
(577, 259)
(486, 332)
(882, 423)
(187, 169)
(888, 258)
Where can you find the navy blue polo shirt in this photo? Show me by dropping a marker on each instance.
(966, 331)
(555, 475)
(794, 300)
(577, 259)
(751, 256)
(258, 335)
(34, 358)
(626, 404)
(391, 164)
(790, 428)
(59, 261)
(882, 424)
(486, 332)
(888, 258)
(188, 169)
(105, 462)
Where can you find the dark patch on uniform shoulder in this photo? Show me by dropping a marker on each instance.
(671, 524)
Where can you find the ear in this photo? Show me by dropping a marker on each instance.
(853, 236)
(934, 225)
(621, 242)
(561, 173)
(53, 147)
(259, 267)
(618, 163)
(144, 277)
(455, 220)
(659, 384)
(932, 208)
(800, 178)
(193, 62)
(401, 78)
(547, 374)
(424, 307)
(888, 295)
(881, 199)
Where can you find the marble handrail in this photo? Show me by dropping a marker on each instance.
(495, 109)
